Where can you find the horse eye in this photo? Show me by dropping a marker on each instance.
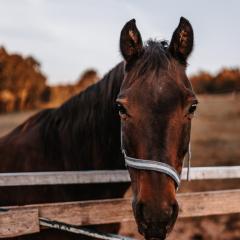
(192, 109)
(121, 109)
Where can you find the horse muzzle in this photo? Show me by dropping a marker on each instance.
(155, 222)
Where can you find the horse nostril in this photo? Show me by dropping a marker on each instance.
(140, 216)
(165, 215)
(175, 209)
(168, 214)
(139, 210)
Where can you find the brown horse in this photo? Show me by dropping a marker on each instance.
(155, 104)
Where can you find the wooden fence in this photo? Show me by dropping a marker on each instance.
(20, 220)
(106, 176)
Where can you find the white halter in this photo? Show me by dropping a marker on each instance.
(152, 165)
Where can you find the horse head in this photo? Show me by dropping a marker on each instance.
(156, 103)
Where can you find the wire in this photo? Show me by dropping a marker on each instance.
(80, 230)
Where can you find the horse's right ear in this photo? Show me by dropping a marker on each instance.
(131, 45)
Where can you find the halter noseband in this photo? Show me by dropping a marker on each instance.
(152, 165)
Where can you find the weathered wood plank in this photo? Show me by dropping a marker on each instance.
(71, 177)
(105, 176)
(19, 222)
(116, 210)
(84, 212)
(207, 173)
(209, 203)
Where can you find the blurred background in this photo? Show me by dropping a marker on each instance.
(51, 50)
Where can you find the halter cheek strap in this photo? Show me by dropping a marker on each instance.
(152, 165)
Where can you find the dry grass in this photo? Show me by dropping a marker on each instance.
(216, 131)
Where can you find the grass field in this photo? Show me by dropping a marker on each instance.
(215, 141)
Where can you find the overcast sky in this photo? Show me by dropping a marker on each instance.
(69, 36)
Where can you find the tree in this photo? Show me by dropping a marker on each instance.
(23, 78)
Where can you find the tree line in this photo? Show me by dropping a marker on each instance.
(23, 86)
(225, 81)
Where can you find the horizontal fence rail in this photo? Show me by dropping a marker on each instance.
(21, 220)
(106, 176)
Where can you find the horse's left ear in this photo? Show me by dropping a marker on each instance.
(131, 45)
(181, 44)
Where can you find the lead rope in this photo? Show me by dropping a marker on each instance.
(188, 159)
(189, 155)
(80, 230)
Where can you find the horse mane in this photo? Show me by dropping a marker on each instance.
(154, 58)
(85, 121)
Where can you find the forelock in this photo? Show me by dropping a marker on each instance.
(154, 59)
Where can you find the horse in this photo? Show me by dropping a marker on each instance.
(141, 109)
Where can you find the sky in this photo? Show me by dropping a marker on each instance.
(70, 36)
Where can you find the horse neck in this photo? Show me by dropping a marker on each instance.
(90, 136)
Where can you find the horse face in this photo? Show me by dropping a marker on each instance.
(156, 104)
